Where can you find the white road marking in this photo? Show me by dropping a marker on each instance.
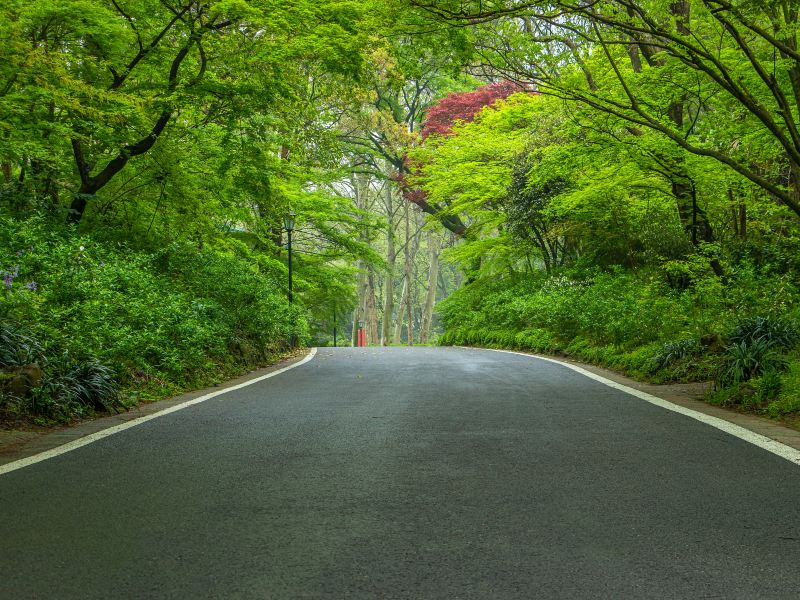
(762, 441)
(99, 435)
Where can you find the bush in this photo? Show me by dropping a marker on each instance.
(788, 400)
(73, 388)
(17, 347)
(772, 332)
(672, 352)
(100, 316)
(744, 360)
(606, 309)
(634, 322)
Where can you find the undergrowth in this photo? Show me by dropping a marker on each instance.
(99, 325)
(743, 338)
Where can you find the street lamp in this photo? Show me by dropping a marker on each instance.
(288, 224)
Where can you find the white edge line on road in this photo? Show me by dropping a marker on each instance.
(762, 441)
(99, 435)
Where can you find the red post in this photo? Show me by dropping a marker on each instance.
(362, 335)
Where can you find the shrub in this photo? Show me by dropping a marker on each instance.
(17, 347)
(768, 386)
(671, 352)
(73, 387)
(99, 315)
(788, 401)
(744, 360)
(774, 333)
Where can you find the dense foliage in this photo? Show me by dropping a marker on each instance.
(640, 211)
(86, 310)
(640, 325)
(616, 180)
(149, 153)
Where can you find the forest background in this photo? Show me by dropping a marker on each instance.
(615, 181)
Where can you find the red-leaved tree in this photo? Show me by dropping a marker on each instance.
(463, 106)
(439, 120)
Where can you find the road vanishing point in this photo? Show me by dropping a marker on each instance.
(418, 473)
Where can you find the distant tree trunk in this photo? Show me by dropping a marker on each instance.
(409, 274)
(739, 214)
(433, 279)
(359, 311)
(410, 321)
(404, 297)
(371, 311)
(388, 291)
(742, 220)
(354, 331)
(398, 326)
(409, 253)
(365, 287)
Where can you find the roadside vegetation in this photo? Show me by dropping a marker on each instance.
(88, 324)
(640, 326)
(634, 204)
(149, 153)
(617, 181)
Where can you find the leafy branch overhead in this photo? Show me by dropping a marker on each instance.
(666, 67)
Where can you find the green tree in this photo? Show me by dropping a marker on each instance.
(103, 83)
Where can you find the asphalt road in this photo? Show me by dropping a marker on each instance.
(408, 473)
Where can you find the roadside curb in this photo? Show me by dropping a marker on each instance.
(772, 436)
(18, 446)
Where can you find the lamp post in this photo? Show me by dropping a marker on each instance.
(288, 224)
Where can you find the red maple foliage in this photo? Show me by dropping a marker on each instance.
(463, 106)
(440, 118)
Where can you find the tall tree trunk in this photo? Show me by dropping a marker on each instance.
(433, 279)
(354, 330)
(409, 254)
(388, 291)
(742, 220)
(794, 180)
(405, 299)
(410, 317)
(360, 183)
(359, 312)
(410, 278)
(371, 311)
(397, 338)
(458, 279)
(739, 214)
